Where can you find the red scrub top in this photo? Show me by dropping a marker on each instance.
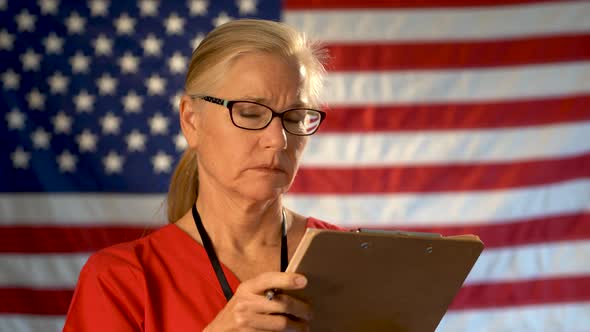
(161, 282)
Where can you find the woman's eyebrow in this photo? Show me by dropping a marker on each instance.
(266, 101)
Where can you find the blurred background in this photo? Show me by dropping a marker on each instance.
(447, 116)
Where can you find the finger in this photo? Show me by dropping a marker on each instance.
(272, 280)
(277, 323)
(285, 304)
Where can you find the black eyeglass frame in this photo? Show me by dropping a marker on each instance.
(229, 103)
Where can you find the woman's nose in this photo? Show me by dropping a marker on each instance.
(274, 136)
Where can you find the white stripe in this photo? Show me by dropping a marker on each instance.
(459, 85)
(500, 264)
(31, 323)
(399, 25)
(447, 147)
(571, 317)
(347, 210)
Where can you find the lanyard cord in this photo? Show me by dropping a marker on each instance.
(215, 261)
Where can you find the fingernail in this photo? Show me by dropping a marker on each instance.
(300, 281)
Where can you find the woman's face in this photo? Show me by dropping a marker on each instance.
(256, 164)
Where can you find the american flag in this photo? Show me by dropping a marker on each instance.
(447, 116)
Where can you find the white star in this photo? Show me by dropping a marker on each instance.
(62, 123)
(30, 60)
(247, 7)
(106, 84)
(177, 63)
(25, 21)
(98, 7)
(20, 158)
(67, 162)
(162, 162)
(155, 85)
(76, 24)
(152, 45)
(58, 83)
(132, 102)
(129, 63)
(79, 63)
(103, 45)
(15, 119)
(221, 19)
(87, 141)
(180, 142)
(198, 7)
(197, 40)
(36, 100)
(6, 40)
(40, 138)
(158, 124)
(148, 7)
(10, 80)
(48, 6)
(84, 102)
(174, 24)
(135, 141)
(2, 4)
(113, 163)
(125, 25)
(110, 124)
(175, 101)
(53, 44)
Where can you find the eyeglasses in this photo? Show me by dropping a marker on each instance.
(255, 116)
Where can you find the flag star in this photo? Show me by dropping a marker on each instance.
(103, 45)
(152, 45)
(155, 85)
(84, 102)
(67, 162)
(197, 40)
(2, 4)
(148, 7)
(25, 21)
(58, 83)
(106, 84)
(6, 40)
(221, 19)
(30, 60)
(125, 25)
(113, 163)
(98, 7)
(162, 162)
(158, 124)
(132, 102)
(129, 63)
(174, 24)
(177, 63)
(20, 158)
(175, 101)
(36, 100)
(87, 141)
(48, 6)
(10, 80)
(247, 7)
(198, 7)
(75, 23)
(135, 141)
(40, 138)
(180, 142)
(79, 63)
(62, 123)
(110, 123)
(15, 119)
(53, 44)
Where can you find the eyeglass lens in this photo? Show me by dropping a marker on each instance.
(254, 116)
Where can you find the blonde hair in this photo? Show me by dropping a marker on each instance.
(214, 56)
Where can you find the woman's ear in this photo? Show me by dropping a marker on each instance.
(189, 121)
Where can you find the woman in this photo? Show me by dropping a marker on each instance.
(250, 105)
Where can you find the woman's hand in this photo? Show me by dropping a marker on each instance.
(250, 310)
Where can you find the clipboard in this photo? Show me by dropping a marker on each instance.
(373, 280)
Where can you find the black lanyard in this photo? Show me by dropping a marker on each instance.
(215, 261)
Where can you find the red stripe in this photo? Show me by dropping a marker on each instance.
(372, 118)
(36, 302)
(570, 227)
(356, 4)
(458, 54)
(437, 178)
(517, 293)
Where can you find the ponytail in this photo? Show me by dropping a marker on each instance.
(182, 193)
